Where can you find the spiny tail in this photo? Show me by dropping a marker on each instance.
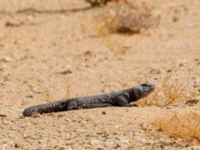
(45, 108)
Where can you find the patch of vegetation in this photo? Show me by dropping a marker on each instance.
(168, 92)
(179, 125)
(121, 20)
(125, 19)
(48, 96)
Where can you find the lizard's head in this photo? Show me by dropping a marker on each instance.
(143, 90)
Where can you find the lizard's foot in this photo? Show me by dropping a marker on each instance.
(135, 105)
(131, 105)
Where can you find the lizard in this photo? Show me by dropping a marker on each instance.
(121, 98)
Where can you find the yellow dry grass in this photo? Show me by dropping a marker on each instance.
(168, 92)
(67, 91)
(48, 96)
(104, 28)
(121, 20)
(179, 125)
(110, 24)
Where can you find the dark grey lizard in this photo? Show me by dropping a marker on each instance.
(120, 98)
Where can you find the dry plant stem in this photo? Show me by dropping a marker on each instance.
(167, 93)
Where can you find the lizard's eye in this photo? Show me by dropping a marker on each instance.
(148, 86)
(145, 84)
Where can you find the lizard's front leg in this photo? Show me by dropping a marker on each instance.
(131, 105)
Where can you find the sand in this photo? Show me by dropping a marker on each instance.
(50, 50)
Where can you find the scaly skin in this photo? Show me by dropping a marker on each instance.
(121, 98)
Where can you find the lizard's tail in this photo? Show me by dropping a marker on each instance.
(45, 108)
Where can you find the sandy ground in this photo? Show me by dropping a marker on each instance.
(50, 50)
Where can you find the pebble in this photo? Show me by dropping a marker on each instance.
(181, 64)
(6, 122)
(35, 90)
(29, 96)
(3, 115)
(17, 145)
(169, 70)
(2, 82)
(155, 71)
(195, 147)
(103, 113)
(68, 71)
(6, 59)
(192, 102)
(68, 120)
(94, 142)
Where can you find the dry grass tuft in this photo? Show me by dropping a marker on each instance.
(179, 125)
(125, 19)
(115, 45)
(48, 96)
(67, 91)
(121, 19)
(130, 22)
(168, 92)
(116, 20)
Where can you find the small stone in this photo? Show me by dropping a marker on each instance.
(2, 82)
(17, 145)
(3, 115)
(29, 96)
(103, 113)
(35, 90)
(7, 77)
(6, 122)
(181, 65)
(94, 142)
(116, 126)
(169, 70)
(6, 59)
(117, 146)
(68, 71)
(162, 146)
(68, 120)
(192, 102)
(195, 147)
(155, 78)
(87, 53)
(21, 117)
(155, 71)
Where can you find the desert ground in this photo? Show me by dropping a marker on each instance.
(51, 50)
